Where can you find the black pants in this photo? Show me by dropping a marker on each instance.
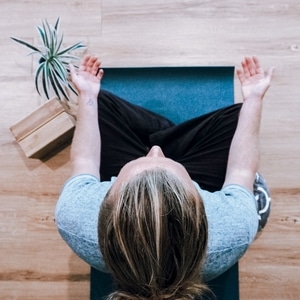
(201, 144)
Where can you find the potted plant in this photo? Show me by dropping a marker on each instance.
(51, 124)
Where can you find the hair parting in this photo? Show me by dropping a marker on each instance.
(153, 236)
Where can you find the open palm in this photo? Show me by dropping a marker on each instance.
(87, 79)
(255, 82)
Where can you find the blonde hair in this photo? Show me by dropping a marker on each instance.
(153, 237)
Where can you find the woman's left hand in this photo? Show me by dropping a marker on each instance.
(254, 80)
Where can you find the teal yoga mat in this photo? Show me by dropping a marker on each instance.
(178, 93)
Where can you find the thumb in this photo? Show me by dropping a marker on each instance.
(271, 72)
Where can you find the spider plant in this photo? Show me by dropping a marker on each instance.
(52, 73)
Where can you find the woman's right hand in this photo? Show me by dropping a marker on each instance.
(88, 77)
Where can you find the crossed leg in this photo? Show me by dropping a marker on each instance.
(201, 145)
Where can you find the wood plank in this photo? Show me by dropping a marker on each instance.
(275, 254)
(189, 33)
(34, 290)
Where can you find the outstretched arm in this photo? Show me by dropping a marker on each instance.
(86, 144)
(243, 157)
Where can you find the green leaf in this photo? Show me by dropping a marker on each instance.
(60, 69)
(60, 77)
(45, 28)
(59, 43)
(54, 38)
(56, 26)
(61, 86)
(65, 59)
(52, 45)
(26, 44)
(41, 33)
(45, 80)
(52, 81)
(37, 74)
(71, 48)
(51, 38)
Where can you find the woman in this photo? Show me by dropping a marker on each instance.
(175, 205)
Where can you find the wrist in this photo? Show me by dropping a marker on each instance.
(88, 95)
(254, 99)
(88, 98)
(252, 107)
(87, 104)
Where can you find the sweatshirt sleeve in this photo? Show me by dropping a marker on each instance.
(232, 226)
(76, 216)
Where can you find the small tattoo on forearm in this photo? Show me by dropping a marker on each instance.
(90, 102)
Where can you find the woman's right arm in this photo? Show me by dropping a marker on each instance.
(86, 144)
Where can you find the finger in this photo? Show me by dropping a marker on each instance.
(240, 75)
(100, 73)
(90, 64)
(257, 65)
(96, 67)
(94, 64)
(245, 68)
(84, 62)
(251, 66)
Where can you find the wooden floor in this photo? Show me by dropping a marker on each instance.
(34, 261)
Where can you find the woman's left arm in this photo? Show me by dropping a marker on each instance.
(243, 157)
(86, 144)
